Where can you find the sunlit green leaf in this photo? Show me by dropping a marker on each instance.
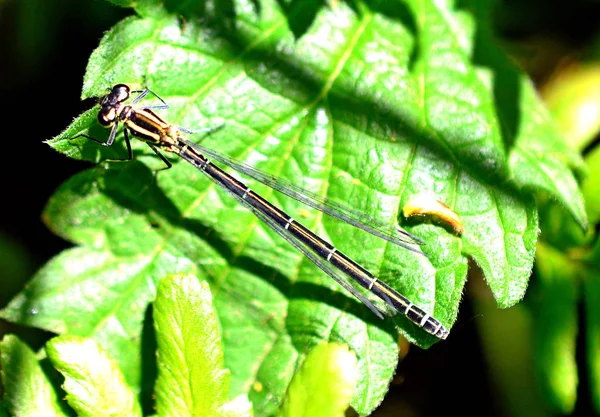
(93, 381)
(191, 379)
(574, 100)
(27, 390)
(555, 331)
(323, 385)
(366, 105)
(591, 298)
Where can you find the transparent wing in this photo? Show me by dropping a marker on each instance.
(329, 269)
(393, 234)
(334, 273)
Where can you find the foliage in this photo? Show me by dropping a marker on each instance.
(363, 102)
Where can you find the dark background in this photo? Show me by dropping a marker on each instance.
(44, 47)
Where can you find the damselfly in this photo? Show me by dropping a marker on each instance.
(144, 124)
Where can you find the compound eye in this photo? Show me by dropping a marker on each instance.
(121, 92)
(108, 117)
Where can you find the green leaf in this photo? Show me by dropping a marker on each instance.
(591, 185)
(27, 389)
(574, 100)
(191, 379)
(94, 383)
(99, 294)
(507, 336)
(539, 158)
(562, 232)
(368, 107)
(555, 332)
(591, 294)
(324, 384)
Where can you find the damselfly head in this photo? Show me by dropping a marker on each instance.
(118, 94)
(111, 102)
